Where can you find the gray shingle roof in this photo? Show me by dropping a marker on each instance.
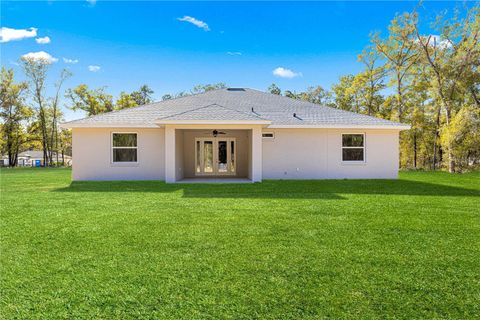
(212, 112)
(228, 104)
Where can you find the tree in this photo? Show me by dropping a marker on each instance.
(167, 97)
(93, 102)
(201, 88)
(453, 59)
(13, 112)
(317, 95)
(462, 136)
(344, 97)
(137, 98)
(125, 101)
(56, 114)
(274, 89)
(65, 143)
(181, 94)
(399, 51)
(290, 94)
(416, 142)
(175, 96)
(36, 72)
(370, 82)
(143, 95)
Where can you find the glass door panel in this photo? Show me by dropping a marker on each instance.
(198, 158)
(222, 157)
(215, 156)
(232, 156)
(208, 157)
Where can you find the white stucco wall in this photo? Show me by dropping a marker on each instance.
(292, 154)
(92, 154)
(317, 154)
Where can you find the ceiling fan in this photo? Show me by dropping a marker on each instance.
(215, 132)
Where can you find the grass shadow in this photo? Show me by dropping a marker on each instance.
(309, 189)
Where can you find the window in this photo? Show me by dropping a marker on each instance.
(124, 147)
(268, 135)
(353, 147)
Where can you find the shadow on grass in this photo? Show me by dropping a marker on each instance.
(311, 189)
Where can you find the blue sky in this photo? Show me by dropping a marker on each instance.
(122, 45)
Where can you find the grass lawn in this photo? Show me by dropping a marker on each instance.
(277, 250)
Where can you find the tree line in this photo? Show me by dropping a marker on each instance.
(30, 118)
(431, 82)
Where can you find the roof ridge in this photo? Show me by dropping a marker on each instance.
(178, 98)
(186, 111)
(210, 105)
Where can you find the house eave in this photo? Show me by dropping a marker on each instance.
(68, 125)
(341, 126)
(214, 122)
(264, 123)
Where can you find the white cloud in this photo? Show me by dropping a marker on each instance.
(43, 40)
(198, 23)
(234, 53)
(9, 34)
(93, 68)
(71, 61)
(286, 73)
(40, 56)
(92, 2)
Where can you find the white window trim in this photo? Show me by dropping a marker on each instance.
(269, 138)
(353, 162)
(123, 163)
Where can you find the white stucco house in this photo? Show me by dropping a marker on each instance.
(234, 134)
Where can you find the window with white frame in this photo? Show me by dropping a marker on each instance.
(124, 147)
(353, 147)
(268, 135)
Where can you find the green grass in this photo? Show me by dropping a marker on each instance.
(277, 250)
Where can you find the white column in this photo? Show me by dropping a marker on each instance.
(170, 154)
(256, 166)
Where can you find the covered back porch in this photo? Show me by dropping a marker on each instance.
(213, 153)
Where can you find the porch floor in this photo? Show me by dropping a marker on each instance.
(214, 180)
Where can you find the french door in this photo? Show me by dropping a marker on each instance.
(215, 156)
